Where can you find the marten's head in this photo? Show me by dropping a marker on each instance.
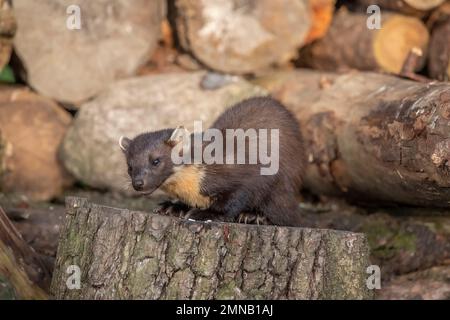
(149, 157)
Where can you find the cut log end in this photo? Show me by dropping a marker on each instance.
(399, 35)
(321, 17)
(424, 4)
(350, 45)
(243, 36)
(136, 255)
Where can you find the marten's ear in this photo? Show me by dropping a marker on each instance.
(124, 143)
(177, 136)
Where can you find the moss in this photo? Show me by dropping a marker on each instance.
(138, 280)
(6, 290)
(439, 225)
(386, 241)
(226, 291)
(205, 264)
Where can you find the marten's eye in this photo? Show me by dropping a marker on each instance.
(129, 169)
(156, 162)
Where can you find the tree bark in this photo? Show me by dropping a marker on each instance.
(349, 43)
(135, 255)
(439, 56)
(371, 137)
(249, 36)
(22, 273)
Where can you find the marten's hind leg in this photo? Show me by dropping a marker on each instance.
(283, 211)
(252, 218)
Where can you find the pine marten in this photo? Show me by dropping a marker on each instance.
(224, 188)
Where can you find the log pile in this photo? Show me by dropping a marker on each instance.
(246, 36)
(370, 136)
(366, 79)
(71, 61)
(385, 49)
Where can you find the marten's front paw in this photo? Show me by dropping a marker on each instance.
(252, 218)
(170, 208)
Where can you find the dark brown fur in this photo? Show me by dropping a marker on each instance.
(229, 189)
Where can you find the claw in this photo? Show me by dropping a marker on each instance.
(188, 214)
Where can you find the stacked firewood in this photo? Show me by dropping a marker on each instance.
(366, 79)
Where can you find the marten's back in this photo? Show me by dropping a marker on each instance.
(259, 113)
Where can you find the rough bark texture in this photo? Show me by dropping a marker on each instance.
(22, 274)
(371, 136)
(28, 162)
(8, 28)
(125, 254)
(350, 44)
(242, 36)
(439, 59)
(71, 65)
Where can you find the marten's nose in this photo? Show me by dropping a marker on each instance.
(138, 184)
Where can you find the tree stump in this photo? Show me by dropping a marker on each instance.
(126, 254)
(350, 44)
